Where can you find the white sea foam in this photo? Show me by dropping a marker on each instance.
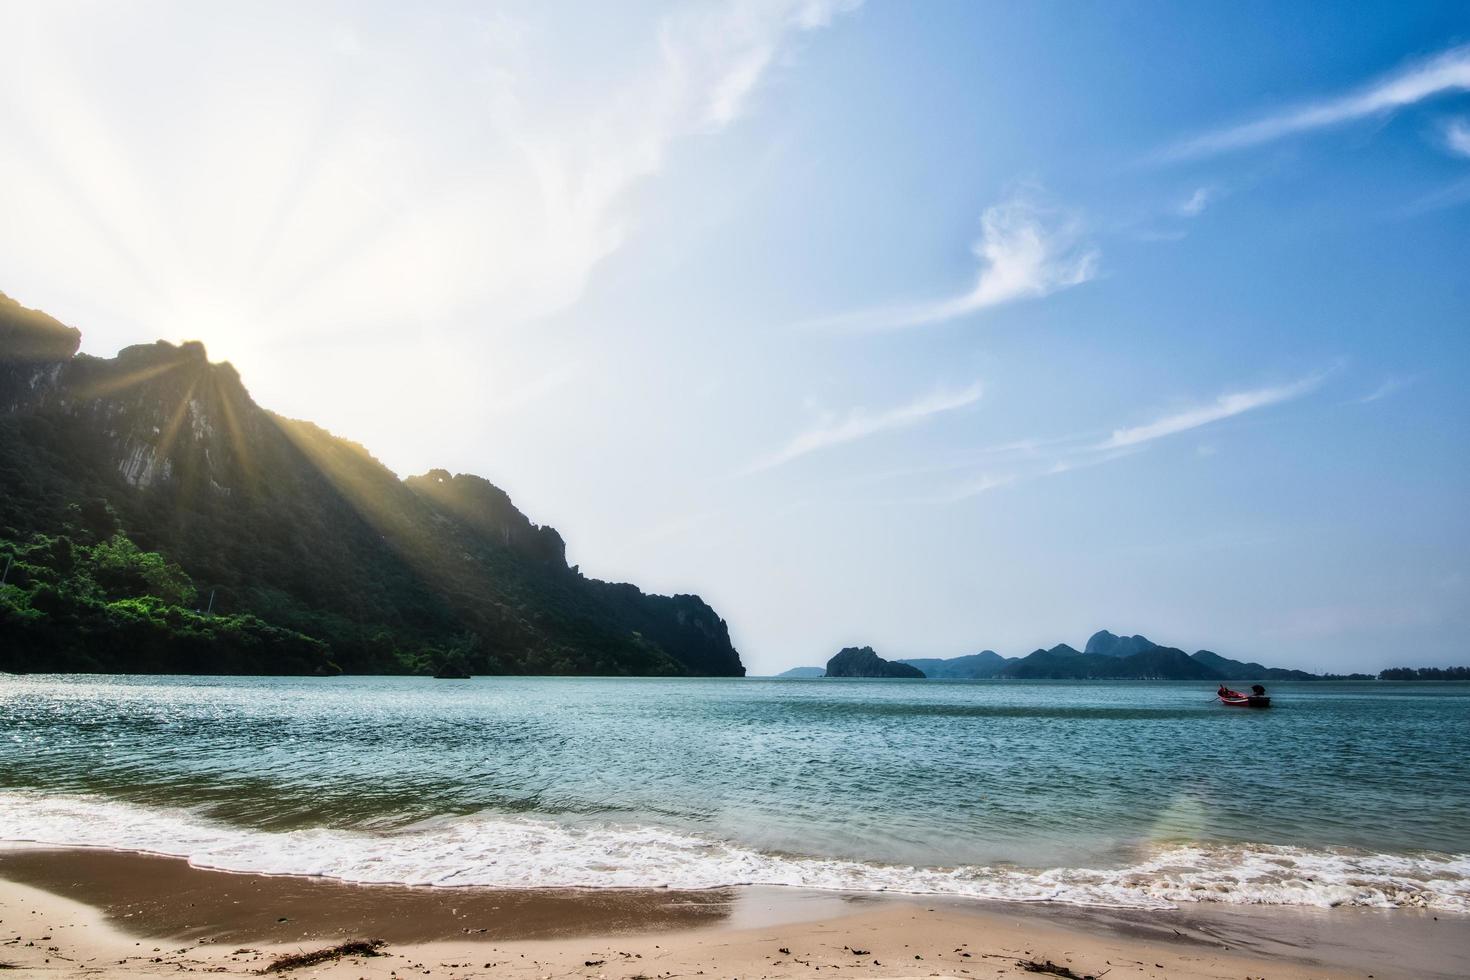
(512, 852)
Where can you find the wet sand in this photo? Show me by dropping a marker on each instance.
(98, 912)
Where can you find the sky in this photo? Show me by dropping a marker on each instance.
(932, 327)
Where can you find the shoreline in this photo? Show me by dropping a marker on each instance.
(98, 909)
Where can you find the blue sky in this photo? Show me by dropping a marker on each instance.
(933, 327)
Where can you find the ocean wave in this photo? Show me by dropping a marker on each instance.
(513, 852)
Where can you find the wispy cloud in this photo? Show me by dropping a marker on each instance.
(1224, 407)
(996, 467)
(712, 59)
(1457, 136)
(860, 423)
(1026, 250)
(1448, 71)
(1054, 463)
(1452, 195)
(1388, 387)
(976, 486)
(1197, 202)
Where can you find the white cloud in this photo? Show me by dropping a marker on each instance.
(860, 423)
(1026, 251)
(1445, 72)
(1198, 201)
(1224, 407)
(1457, 136)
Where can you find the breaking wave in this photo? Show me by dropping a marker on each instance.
(513, 852)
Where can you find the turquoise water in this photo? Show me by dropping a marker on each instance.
(1103, 793)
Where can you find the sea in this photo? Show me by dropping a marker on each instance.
(1140, 795)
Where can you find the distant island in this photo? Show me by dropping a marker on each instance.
(863, 662)
(1106, 656)
(804, 672)
(155, 519)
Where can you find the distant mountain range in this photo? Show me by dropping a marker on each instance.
(1106, 656)
(986, 663)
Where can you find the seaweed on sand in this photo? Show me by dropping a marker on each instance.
(1054, 969)
(358, 947)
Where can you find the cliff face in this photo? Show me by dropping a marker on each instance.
(307, 531)
(863, 662)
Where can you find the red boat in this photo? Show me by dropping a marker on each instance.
(1234, 699)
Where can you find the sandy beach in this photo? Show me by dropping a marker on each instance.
(70, 913)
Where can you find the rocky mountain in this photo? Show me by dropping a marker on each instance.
(863, 662)
(142, 489)
(986, 663)
(1111, 645)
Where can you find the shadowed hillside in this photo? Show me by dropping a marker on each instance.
(137, 487)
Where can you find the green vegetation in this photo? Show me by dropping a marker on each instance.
(71, 606)
(1425, 674)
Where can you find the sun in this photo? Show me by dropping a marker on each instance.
(219, 321)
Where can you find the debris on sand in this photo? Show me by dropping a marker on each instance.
(1054, 969)
(358, 947)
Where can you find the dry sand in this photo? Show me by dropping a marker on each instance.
(103, 913)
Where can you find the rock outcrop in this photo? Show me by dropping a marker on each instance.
(863, 662)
